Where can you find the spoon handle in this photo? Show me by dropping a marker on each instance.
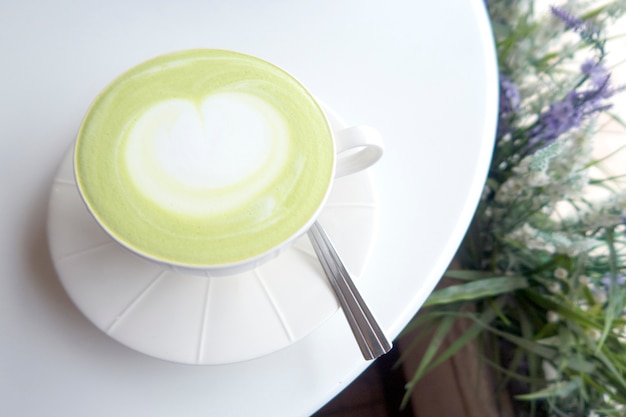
(368, 334)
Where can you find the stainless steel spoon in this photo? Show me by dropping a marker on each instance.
(369, 336)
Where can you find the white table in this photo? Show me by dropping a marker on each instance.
(424, 73)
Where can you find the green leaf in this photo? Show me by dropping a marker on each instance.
(610, 365)
(529, 345)
(534, 363)
(599, 161)
(424, 317)
(426, 329)
(614, 116)
(562, 309)
(612, 312)
(510, 374)
(594, 12)
(498, 309)
(480, 321)
(559, 389)
(545, 352)
(431, 351)
(476, 290)
(609, 361)
(500, 30)
(467, 274)
(428, 362)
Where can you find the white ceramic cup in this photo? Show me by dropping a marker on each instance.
(355, 148)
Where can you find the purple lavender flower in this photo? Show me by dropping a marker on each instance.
(570, 112)
(509, 96)
(571, 22)
(558, 119)
(584, 28)
(596, 71)
(619, 280)
(592, 101)
(509, 104)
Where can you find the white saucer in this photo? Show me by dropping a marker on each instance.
(199, 320)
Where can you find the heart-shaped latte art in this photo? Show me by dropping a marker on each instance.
(206, 158)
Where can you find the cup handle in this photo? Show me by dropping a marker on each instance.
(357, 148)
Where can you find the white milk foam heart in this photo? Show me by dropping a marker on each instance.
(207, 158)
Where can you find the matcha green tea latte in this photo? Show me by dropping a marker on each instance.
(204, 157)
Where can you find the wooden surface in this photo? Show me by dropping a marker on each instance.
(459, 387)
(377, 392)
